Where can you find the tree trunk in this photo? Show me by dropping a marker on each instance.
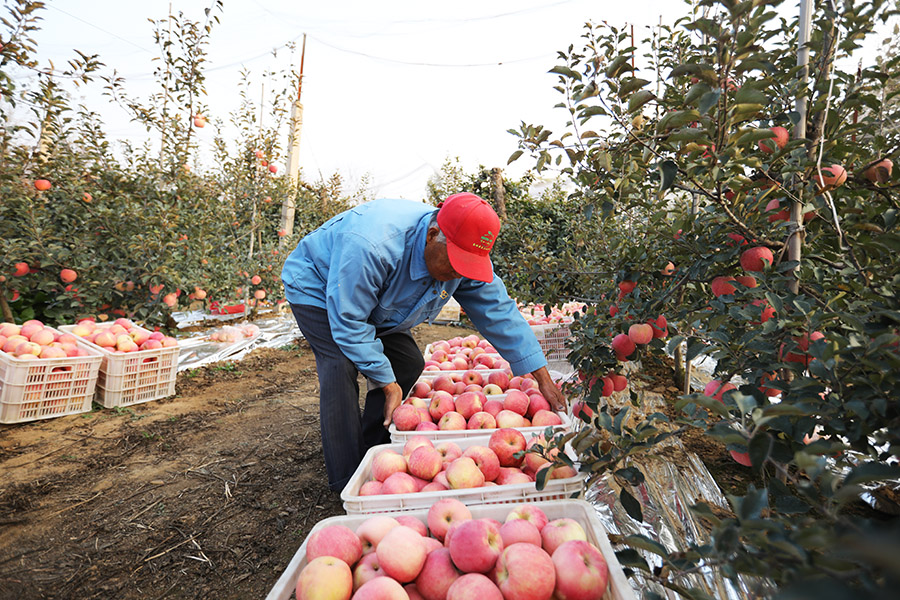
(499, 192)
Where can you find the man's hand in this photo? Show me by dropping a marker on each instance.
(549, 390)
(393, 396)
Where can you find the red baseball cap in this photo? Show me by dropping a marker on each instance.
(471, 227)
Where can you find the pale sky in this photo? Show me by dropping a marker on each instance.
(391, 88)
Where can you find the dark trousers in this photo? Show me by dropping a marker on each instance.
(347, 435)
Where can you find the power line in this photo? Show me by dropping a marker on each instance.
(428, 64)
(127, 41)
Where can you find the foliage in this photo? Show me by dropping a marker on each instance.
(148, 222)
(669, 158)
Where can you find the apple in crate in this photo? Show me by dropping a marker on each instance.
(561, 530)
(481, 420)
(485, 459)
(463, 473)
(371, 531)
(475, 546)
(529, 512)
(450, 451)
(506, 443)
(325, 577)
(406, 417)
(337, 541)
(517, 401)
(367, 568)
(474, 585)
(380, 588)
(425, 462)
(526, 572)
(443, 513)
(386, 463)
(519, 531)
(452, 421)
(437, 575)
(581, 571)
(469, 403)
(401, 554)
(414, 442)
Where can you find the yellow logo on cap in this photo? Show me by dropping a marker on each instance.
(486, 242)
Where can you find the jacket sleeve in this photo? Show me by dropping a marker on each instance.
(356, 274)
(497, 317)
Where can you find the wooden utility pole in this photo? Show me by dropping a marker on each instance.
(288, 205)
(795, 241)
(499, 192)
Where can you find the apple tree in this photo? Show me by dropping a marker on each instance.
(757, 211)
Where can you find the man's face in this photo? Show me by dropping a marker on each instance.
(436, 258)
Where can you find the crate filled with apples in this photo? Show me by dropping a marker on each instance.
(552, 329)
(469, 404)
(459, 354)
(138, 365)
(44, 373)
(450, 551)
(498, 468)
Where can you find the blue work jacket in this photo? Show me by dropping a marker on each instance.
(366, 268)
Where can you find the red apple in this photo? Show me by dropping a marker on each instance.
(481, 420)
(337, 541)
(469, 403)
(380, 588)
(779, 140)
(879, 172)
(406, 417)
(463, 473)
(581, 571)
(444, 512)
(485, 459)
(425, 462)
(561, 530)
(325, 577)
(474, 585)
(640, 333)
(519, 531)
(526, 572)
(529, 512)
(721, 286)
(755, 259)
(401, 554)
(367, 568)
(437, 575)
(475, 546)
(517, 401)
(622, 346)
(505, 443)
(386, 463)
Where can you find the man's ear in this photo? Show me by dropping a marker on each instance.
(433, 232)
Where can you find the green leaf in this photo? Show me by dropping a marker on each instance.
(631, 505)
(688, 134)
(638, 99)
(678, 118)
(514, 156)
(619, 64)
(631, 84)
(708, 100)
(748, 95)
(630, 557)
(696, 92)
(566, 71)
(645, 543)
(872, 471)
(668, 169)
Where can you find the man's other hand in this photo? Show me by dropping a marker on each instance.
(393, 396)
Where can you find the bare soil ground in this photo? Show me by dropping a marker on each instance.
(206, 494)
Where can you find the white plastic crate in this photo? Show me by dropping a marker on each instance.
(450, 312)
(133, 377)
(552, 338)
(579, 510)
(398, 436)
(46, 387)
(555, 489)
